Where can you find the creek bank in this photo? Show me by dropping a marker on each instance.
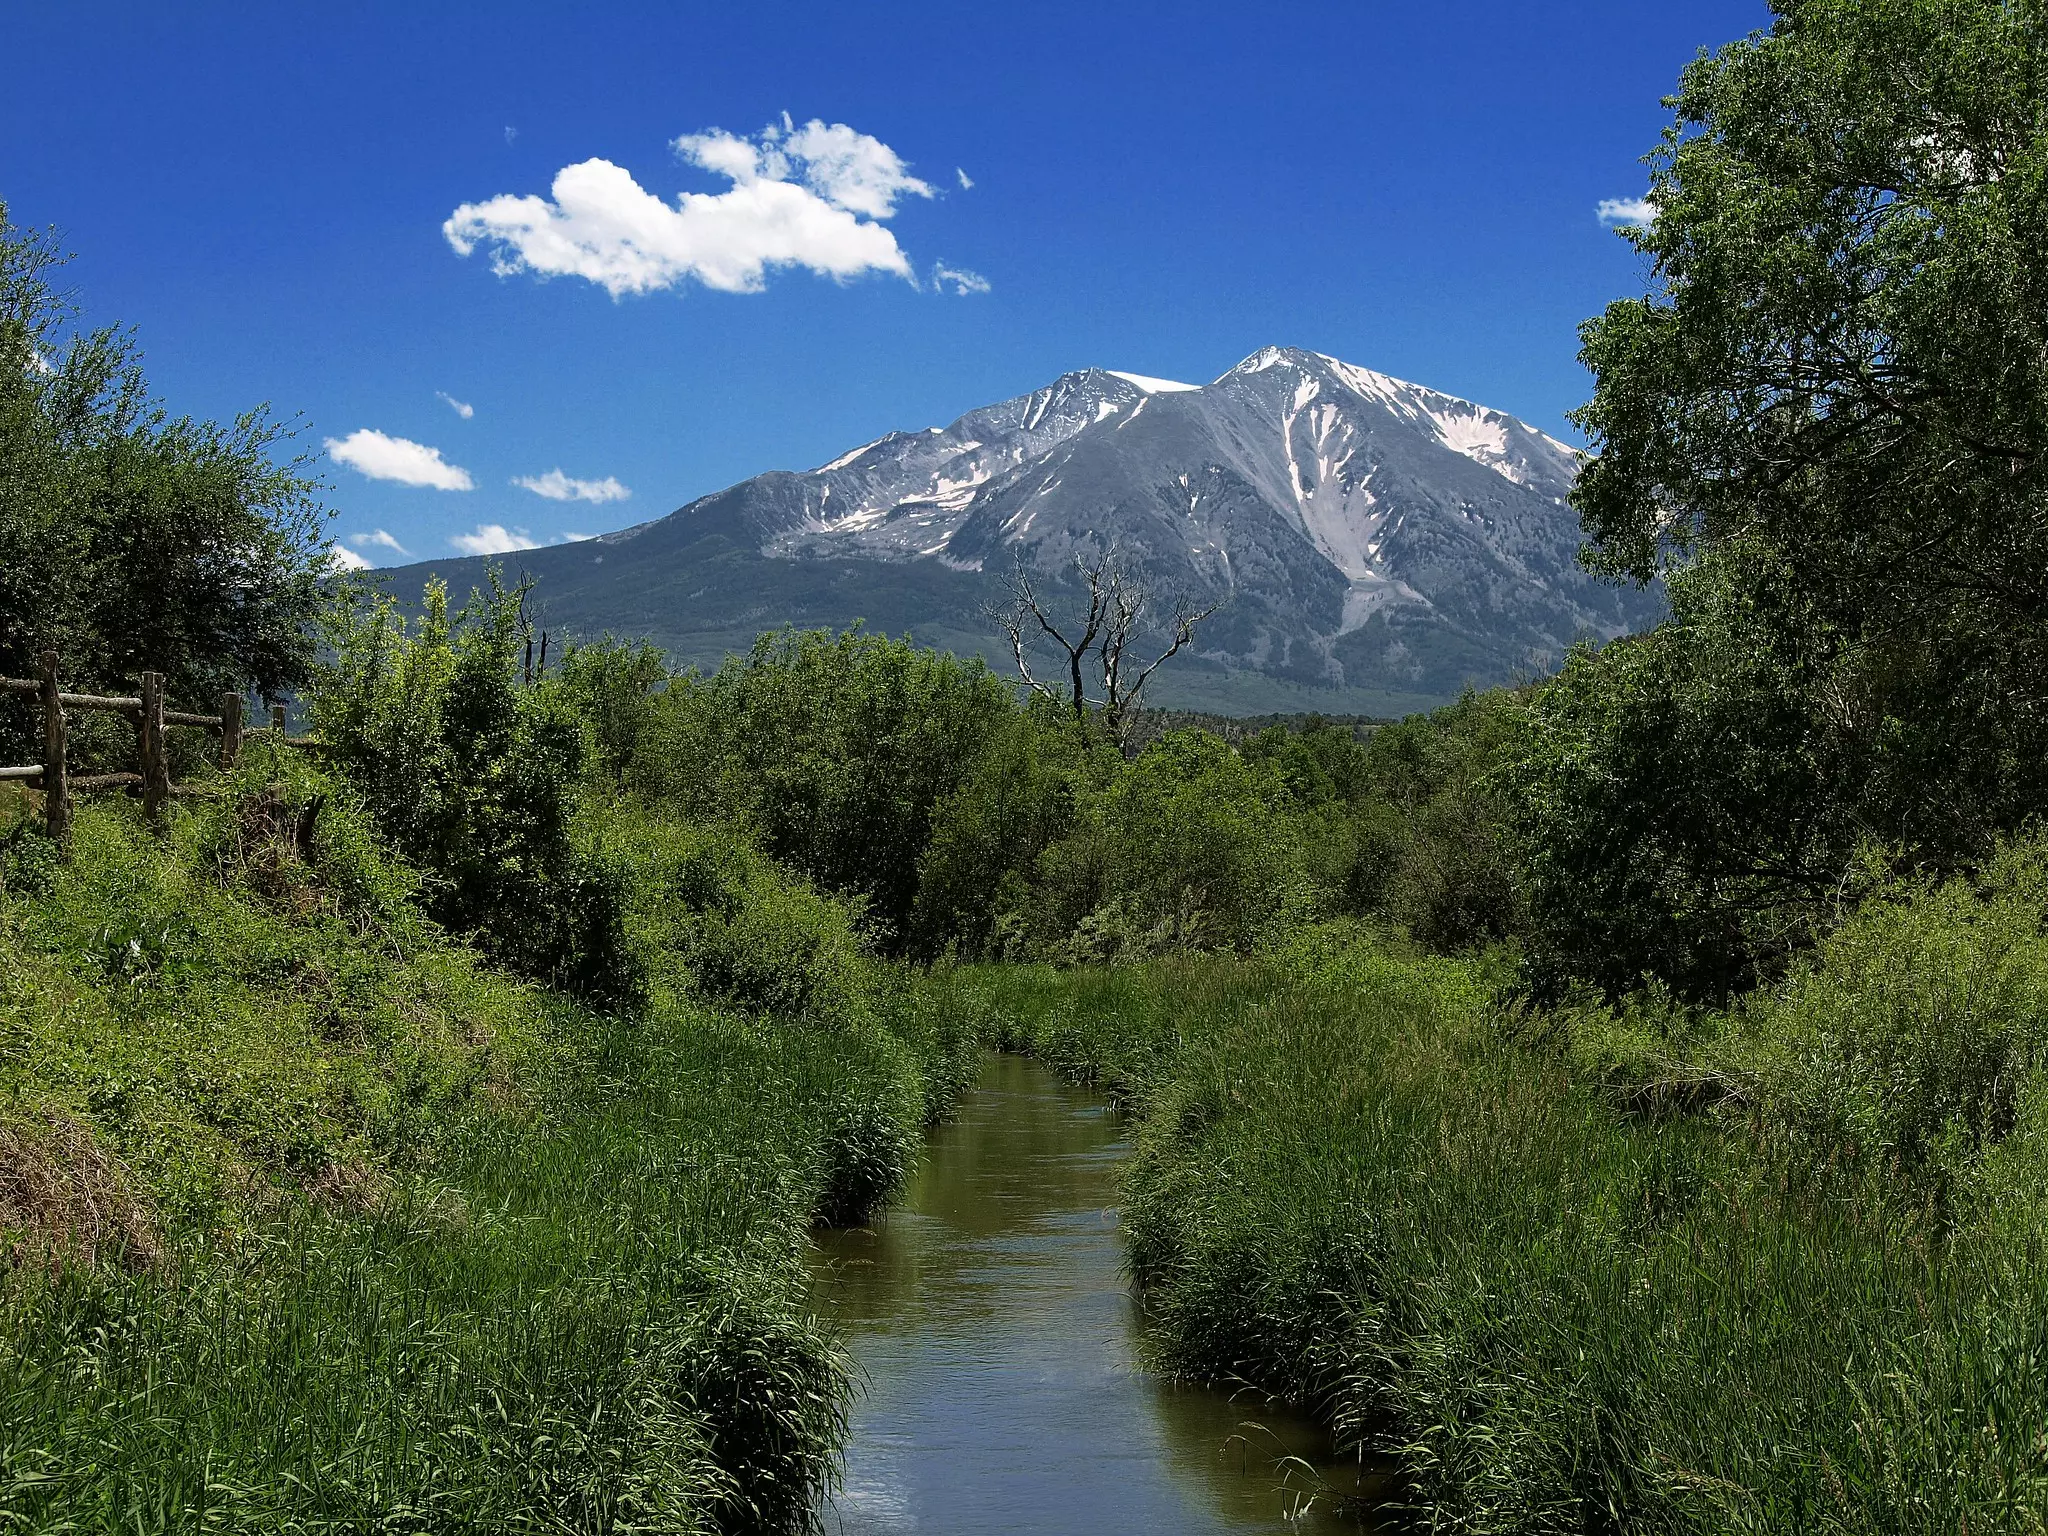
(406, 1243)
(1005, 1388)
(1354, 1188)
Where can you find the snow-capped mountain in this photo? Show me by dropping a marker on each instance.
(1362, 533)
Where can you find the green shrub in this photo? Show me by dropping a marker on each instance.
(613, 685)
(475, 778)
(1916, 1027)
(1017, 799)
(834, 751)
(709, 915)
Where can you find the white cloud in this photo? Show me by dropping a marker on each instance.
(807, 197)
(557, 486)
(511, 133)
(849, 170)
(966, 181)
(1627, 210)
(371, 453)
(494, 539)
(377, 538)
(345, 559)
(460, 407)
(962, 280)
(565, 537)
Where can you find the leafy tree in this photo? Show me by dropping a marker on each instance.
(1189, 846)
(834, 750)
(475, 778)
(1828, 421)
(612, 684)
(1684, 808)
(1020, 796)
(131, 540)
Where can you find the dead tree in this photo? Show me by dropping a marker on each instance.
(1097, 645)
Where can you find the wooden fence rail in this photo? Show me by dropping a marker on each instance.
(153, 769)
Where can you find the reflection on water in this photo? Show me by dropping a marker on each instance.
(990, 1315)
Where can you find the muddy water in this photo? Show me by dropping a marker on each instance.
(992, 1320)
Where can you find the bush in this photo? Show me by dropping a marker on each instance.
(1199, 849)
(835, 751)
(1018, 798)
(613, 686)
(1912, 1034)
(476, 779)
(709, 915)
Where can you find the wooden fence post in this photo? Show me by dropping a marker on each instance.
(230, 730)
(56, 786)
(277, 720)
(156, 768)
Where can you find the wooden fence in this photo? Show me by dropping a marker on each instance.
(153, 767)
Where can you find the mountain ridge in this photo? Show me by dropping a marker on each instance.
(1368, 538)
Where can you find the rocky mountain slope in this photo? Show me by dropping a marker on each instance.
(1374, 544)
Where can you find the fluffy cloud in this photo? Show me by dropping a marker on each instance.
(959, 279)
(459, 407)
(966, 181)
(808, 197)
(494, 539)
(371, 453)
(377, 538)
(342, 558)
(1627, 210)
(557, 486)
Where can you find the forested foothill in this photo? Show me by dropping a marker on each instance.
(1620, 1102)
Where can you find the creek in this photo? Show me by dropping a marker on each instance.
(1004, 1388)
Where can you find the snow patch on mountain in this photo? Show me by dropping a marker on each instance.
(1150, 385)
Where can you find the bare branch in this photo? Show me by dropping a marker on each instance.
(1115, 616)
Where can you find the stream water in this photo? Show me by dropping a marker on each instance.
(1004, 1389)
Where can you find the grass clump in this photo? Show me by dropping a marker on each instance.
(1355, 1187)
(321, 1223)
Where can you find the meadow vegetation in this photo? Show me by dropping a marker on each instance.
(1621, 1100)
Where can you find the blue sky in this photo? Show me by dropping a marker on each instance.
(266, 194)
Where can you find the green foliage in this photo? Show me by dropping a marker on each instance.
(1685, 804)
(475, 778)
(1352, 1188)
(1911, 1037)
(709, 915)
(834, 750)
(612, 685)
(131, 540)
(1431, 839)
(1017, 799)
(1826, 419)
(1195, 851)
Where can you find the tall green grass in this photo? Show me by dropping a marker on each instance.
(1353, 1188)
(318, 1224)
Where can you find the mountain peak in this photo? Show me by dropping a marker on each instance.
(1366, 532)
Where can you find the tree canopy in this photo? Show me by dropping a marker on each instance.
(131, 539)
(1827, 424)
